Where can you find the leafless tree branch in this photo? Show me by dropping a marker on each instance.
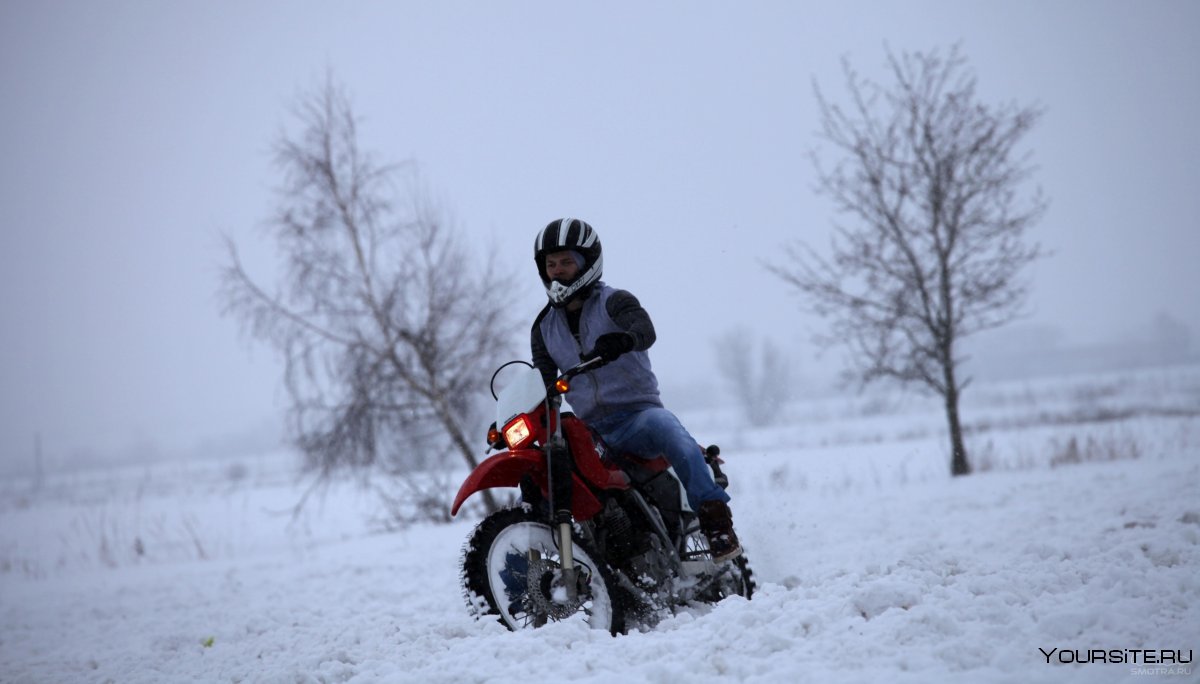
(761, 391)
(935, 244)
(388, 326)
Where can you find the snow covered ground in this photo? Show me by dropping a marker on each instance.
(1081, 532)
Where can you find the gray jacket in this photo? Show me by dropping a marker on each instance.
(623, 385)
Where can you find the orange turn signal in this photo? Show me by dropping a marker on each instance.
(562, 385)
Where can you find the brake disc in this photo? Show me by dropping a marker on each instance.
(546, 594)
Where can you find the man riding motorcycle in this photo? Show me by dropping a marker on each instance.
(620, 400)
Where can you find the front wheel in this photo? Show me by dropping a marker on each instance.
(512, 569)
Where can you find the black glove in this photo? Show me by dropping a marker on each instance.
(611, 345)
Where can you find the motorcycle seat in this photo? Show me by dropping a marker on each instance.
(654, 464)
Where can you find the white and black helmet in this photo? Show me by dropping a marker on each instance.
(575, 235)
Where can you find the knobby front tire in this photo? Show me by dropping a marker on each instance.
(501, 578)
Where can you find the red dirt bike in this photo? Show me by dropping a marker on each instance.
(602, 537)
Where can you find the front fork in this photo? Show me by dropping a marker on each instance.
(561, 484)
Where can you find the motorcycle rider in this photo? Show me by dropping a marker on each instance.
(585, 318)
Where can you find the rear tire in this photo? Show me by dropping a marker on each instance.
(502, 578)
(736, 580)
(732, 577)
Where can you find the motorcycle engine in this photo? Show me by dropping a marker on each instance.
(619, 540)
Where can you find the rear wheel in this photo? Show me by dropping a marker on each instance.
(734, 579)
(731, 578)
(512, 569)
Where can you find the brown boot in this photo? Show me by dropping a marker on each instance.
(716, 522)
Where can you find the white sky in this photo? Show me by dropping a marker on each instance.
(135, 132)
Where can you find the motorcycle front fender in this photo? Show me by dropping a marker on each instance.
(506, 469)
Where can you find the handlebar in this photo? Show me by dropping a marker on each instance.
(589, 365)
(583, 367)
(565, 379)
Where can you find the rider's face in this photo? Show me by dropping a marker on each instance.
(561, 266)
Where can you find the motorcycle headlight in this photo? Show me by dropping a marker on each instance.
(518, 432)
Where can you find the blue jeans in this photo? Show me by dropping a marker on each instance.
(655, 431)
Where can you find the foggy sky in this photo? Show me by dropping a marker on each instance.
(134, 133)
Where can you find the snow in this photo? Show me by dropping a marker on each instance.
(873, 565)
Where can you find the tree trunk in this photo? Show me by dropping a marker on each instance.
(958, 461)
(460, 443)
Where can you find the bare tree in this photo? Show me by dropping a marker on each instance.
(759, 392)
(935, 246)
(388, 326)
